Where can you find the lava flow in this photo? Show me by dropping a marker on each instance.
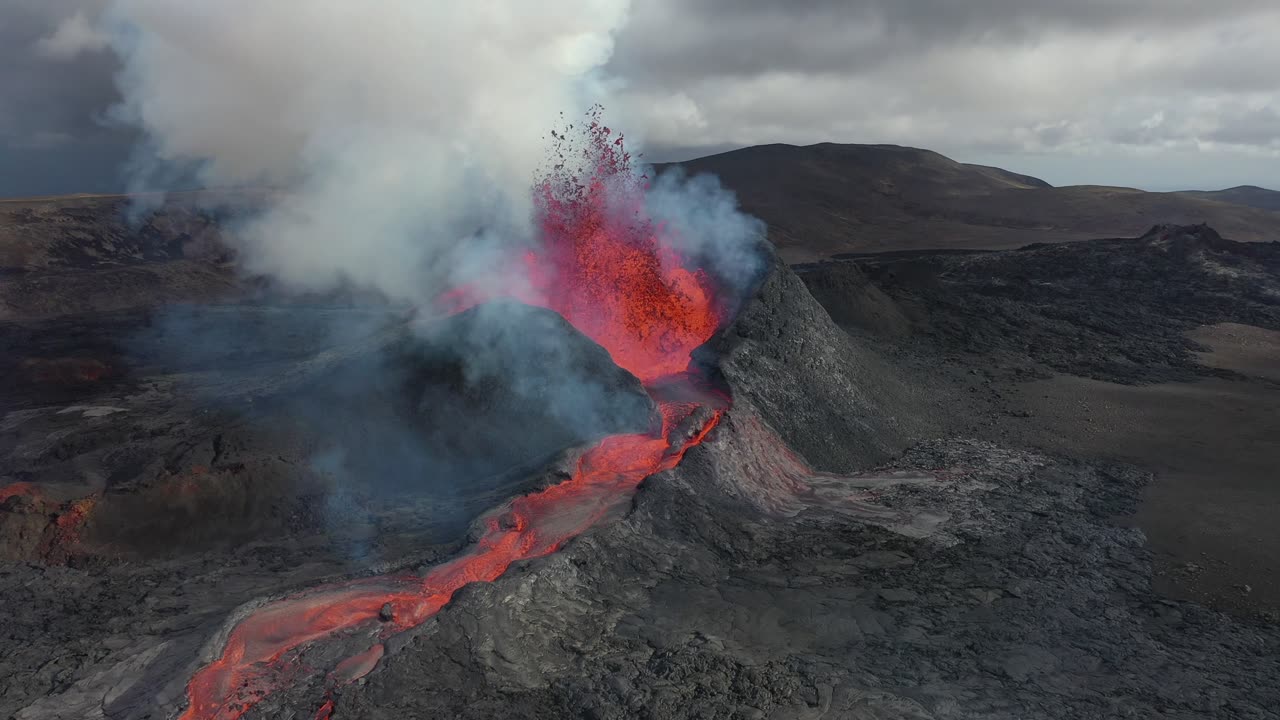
(25, 489)
(612, 274)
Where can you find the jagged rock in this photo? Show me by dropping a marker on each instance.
(837, 404)
(1115, 310)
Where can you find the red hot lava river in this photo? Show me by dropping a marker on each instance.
(613, 274)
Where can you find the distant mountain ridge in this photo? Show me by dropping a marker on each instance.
(1249, 195)
(818, 201)
(829, 198)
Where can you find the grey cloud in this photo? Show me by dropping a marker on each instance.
(1222, 122)
(53, 102)
(732, 38)
(994, 14)
(1015, 78)
(1258, 126)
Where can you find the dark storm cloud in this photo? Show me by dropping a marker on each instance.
(53, 103)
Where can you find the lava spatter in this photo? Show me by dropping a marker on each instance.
(607, 268)
(604, 267)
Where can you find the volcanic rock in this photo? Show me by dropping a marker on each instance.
(1115, 310)
(1160, 350)
(704, 603)
(837, 404)
(219, 426)
(855, 303)
(965, 579)
(66, 256)
(883, 569)
(218, 475)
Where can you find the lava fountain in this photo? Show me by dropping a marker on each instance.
(612, 273)
(604, 266)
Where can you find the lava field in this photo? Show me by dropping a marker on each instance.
(664, 493)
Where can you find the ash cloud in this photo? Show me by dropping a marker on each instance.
(454, 412)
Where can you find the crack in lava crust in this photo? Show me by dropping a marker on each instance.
(607, 270)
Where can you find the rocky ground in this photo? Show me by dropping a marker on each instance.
(958, 580)
(1157, 351)
(1114, 310)
(915, 556)
(65, 256)
(1024, 601)
(145, 508)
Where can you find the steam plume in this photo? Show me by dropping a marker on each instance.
(397, 127)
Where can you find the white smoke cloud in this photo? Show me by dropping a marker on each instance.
(396, 127)
(73, 36)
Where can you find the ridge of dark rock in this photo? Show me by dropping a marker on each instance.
(1113, 309)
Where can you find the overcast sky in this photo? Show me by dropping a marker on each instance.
(1159, 94)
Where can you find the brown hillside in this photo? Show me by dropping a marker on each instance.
(90, 253)
(825, 199)
(1250, 195)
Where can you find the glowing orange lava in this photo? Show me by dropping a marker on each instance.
(609, 270)
(254, 663)
(604, 268)
(18, 488)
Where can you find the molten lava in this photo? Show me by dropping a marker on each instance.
(18, 489)
(255, 660)
(607, 270)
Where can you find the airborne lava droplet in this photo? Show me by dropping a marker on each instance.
(607, 268)
(603, 266)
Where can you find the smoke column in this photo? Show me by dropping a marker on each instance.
(399, 143)
(397, 129)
